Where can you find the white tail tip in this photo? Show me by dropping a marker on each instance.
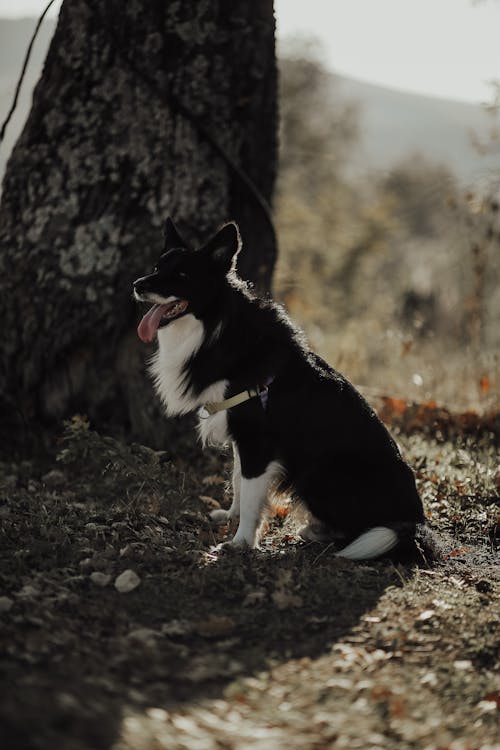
(372, 543)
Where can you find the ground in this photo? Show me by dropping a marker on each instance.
(286, 646)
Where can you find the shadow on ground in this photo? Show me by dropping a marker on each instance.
(182, 635)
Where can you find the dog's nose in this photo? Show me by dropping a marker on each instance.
(139, 284)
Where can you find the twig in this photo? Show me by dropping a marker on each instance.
(399, 574)
(23, 70)
(325, 549)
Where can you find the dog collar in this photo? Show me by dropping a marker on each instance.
(215, 406)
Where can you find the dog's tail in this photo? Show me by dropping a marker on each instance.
(373, 543)
(412, 541)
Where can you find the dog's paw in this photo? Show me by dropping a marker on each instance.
(219, 517)
(240, 541)
(228, 548)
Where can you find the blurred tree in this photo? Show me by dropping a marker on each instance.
(317, 128)
(419, 190)
(318, 132)
(143, 109)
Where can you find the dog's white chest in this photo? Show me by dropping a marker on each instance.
(213, 429)
(178, 342)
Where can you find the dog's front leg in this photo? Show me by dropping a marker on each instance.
(221, 516)
(253, 496)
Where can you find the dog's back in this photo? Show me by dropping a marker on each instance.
(335, 453)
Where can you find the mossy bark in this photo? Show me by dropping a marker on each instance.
(121, 133)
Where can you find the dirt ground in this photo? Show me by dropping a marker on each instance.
(120, 628)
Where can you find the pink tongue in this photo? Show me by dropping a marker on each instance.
(150, 322)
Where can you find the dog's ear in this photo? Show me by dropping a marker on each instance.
(172, 236)
(224, 246)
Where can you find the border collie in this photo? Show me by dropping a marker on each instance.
(293, 421)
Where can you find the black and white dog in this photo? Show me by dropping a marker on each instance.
(293, 421)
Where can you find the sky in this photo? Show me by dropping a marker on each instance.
(445, 48)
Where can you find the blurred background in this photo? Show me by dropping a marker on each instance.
(387, 200)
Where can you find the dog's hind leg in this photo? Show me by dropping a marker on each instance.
(220, 516)
(253, 498)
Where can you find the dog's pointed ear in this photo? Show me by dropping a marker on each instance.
(172, 236)
(225, 246)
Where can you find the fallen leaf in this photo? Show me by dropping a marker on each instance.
(381, 692)
(214, 626)
(406, 347)
(484, 384)
(253, 597)
(210, 502)
(395, 405)
(281, 511)
(285, 600)
(213, 479)
(493, 698)
(397, 706)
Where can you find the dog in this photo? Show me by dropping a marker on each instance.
(294, 422)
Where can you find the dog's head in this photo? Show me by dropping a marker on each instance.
(186, 281)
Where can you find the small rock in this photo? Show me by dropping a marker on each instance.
(143, 635)
(127, 581)
(67, 702)
(177, 627)
(426, 615)
(100, 579)
(157, 714)
(462, 664)
(28, 591)
(6, 604)
(429, 678)
(54, 478)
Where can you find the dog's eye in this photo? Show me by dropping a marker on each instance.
(182, 275)
(155, 269)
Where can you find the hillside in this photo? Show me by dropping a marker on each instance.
(393, 123)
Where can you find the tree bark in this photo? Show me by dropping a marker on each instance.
(144, 109)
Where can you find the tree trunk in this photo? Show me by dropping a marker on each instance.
(144, 109)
